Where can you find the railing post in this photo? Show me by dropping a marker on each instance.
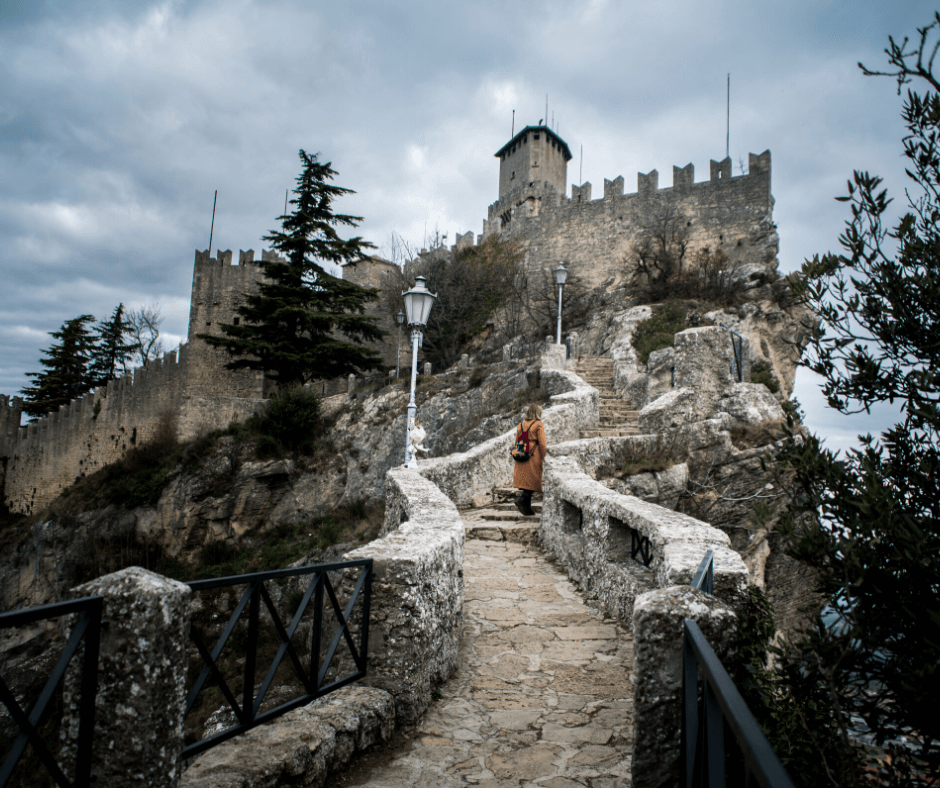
(141, 698)
(689, 712)
(658, 621)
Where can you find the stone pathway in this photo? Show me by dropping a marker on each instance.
(542, 695)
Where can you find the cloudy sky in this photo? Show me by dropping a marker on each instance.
(119, 119)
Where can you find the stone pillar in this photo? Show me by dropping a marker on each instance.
(427, 367)
(657, 674)
(553, 357)
(464, 362)
(507, 352)
(350, 384)
(141, 696)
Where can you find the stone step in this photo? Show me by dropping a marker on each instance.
(611, 432)
(509, 506)
(507, 517)
(508, 494)
(521, 533)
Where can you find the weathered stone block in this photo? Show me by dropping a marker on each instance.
(142, 665)
(658, 618)
(751, 403)
(301, 748)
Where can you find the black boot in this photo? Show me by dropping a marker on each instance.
(520, 503)
(526, 504)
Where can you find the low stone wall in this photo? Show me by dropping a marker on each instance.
(417, 593)
(461, 476)
(592, 531)
(301, 748)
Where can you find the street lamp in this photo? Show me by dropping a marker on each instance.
(400, 319)
(561, 274)
(418, 303)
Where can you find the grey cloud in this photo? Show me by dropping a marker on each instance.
(120, 119)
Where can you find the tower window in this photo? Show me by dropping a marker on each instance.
(536, 136)
(236, 321)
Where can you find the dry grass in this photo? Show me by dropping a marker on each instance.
(651, 456)
(750, 436)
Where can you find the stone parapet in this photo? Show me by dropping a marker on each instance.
(417, 593)
(461, 476)
(593, 530)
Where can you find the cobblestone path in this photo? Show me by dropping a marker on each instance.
(542, 695)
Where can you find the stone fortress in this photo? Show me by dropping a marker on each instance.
(189, 391)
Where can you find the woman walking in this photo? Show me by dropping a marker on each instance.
(527, 476)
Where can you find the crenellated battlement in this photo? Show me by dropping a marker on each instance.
(720, 184)
(732, 213)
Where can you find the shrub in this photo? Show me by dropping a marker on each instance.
(761, 373)
(659, 330)
(291, 421)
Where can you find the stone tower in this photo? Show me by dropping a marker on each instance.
(535, 154)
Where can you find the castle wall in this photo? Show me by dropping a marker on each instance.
(595, 237)
(219, 288)
(377, 274)
(50, 453)
(184, 394)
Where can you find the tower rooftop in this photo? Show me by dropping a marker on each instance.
(549, 133)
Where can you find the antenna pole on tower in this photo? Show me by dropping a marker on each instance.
(212, 226)
(513, 134)
(286, 192)
(728, 120)
(581, 168)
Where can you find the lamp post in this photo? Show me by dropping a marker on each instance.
(400, 319)
(561, 274)
(418, 303)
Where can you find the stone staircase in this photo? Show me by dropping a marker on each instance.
(617, 417)
(501, 521)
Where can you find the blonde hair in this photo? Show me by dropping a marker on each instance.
(534, 412)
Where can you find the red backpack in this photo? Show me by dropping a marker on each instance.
(521, 451)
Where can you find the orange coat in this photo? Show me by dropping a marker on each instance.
(528, 475)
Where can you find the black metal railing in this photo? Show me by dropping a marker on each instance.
(87, 632)
(704, 716)
(737, 345)
(708, 709)
(704, 577)
(322, 652)
(641, 549)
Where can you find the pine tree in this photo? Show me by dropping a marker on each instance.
(112, 350)
(67, 368)
(292, 328)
